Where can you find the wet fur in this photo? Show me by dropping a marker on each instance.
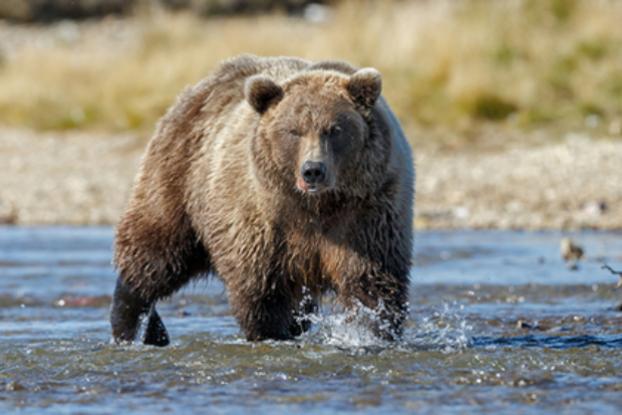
(212, 195)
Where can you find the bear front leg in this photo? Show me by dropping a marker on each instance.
(382, 293)
(301, 321)
(264, 315)
(369, 265)
(380, 289)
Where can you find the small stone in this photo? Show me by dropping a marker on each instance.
(461, 212)
(595, 208)
(14, 386)
(8, 214)
(571, 251)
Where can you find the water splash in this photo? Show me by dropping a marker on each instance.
(446, 329)
(346, 329)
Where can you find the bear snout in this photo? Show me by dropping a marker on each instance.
(313, 177)
(313, 172)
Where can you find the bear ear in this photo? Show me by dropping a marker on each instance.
(262, 92)
(365, 86)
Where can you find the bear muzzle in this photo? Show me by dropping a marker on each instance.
(313, 177)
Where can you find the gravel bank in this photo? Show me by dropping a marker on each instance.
(577, 183)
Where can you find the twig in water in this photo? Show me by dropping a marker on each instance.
(614, 272)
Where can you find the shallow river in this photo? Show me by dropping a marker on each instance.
(498, 325)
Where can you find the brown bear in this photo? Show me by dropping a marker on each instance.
(285, 178)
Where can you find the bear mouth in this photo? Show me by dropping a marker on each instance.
(310, 189)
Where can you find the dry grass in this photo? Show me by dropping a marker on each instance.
(453, 66)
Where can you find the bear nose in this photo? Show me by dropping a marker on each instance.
(313, 172)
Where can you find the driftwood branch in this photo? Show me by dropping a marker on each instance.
(614, 272)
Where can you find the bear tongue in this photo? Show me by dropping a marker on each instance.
(302, 185)
(305, 187)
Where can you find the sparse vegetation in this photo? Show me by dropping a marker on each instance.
(454, 66)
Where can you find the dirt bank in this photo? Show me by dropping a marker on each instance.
(56, 178)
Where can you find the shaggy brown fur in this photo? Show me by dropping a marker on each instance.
(220, 190)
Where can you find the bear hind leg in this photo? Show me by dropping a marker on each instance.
(155, 333)
(149, 272)
(127, 312)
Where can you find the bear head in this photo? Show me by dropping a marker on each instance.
(318, 132)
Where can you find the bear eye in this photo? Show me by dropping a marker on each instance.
(334, 131)
(294, 132)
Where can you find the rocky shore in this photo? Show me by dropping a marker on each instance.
(80, 178)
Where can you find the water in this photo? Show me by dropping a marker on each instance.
(498, 325)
